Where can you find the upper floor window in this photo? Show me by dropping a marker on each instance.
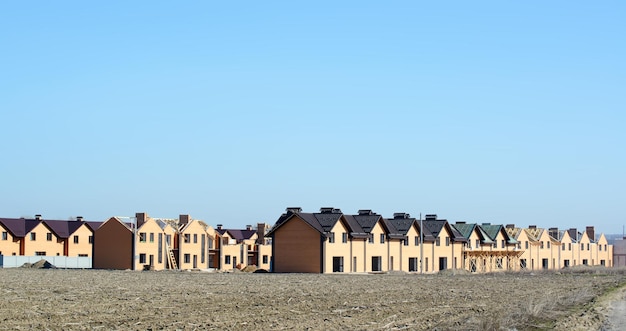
(382, 238)
(76, 239)
(438, 241)
(5, 235)
(417, 240)
(142, 237)
(195, 238)
(370, 238)
(331, 237)
(33, 236)
(447, 241)
(406, 241)
(91, 239)
(151, 237)
(344, 237)
(548, 243)
(187, 238)
(477, 243)
(49, 236)
(503, 243)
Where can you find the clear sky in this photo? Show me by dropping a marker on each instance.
(488, 111)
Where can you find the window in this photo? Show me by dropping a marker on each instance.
(563, 247)
(344, 237)
(426, 263)
(40, 253)
(5, 235)
(142, 258)
(585, 262)
(447, 241)
(187, 238)
(227, 259)
(582, 247)
(265, 259)
(569, 246)
(519, 245)
(438, 241)
(76, 239)
(49, 236)
(33, 236)
(83, 255)
(522, 264)
(142, 237)
(382, 238)
(187, 258)
(195, 238)
(91, 239)
(468, 244)
(548, 243)
(503, 243)
(587, 246)
(495, 244)
(477, 243)
(151, 237)
(526, 244)
(406, 241)
(331, 237)
(412, 264)
(499, 263)
(541, 244)
(600, 248)
(370, 238)
(417, 240)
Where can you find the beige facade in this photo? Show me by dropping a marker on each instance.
(193, 245)
(149, 251)
(41, 240)
(80, 242)
(9, 245)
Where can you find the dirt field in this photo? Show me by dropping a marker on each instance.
(131, 300)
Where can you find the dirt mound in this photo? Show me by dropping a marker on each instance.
(249, 268)
(41, 264)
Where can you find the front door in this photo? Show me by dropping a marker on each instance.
(443, 263)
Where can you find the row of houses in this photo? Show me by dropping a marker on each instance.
(138, 243)
(333, 242)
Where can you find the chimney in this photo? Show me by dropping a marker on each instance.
(183, 219)
(431, 217)
(554, 233)
(400, 215)
(486, 223)
(337, 211)
(141, 218)
(79, 218)
(261, 230)
(248, 227)
(573, 233)
(38, 217)
(532, 226)
(219, 226)
(460, 222)
(294, 209)
(510, 226)
(591, 233)
(365, 212)
(326, 210)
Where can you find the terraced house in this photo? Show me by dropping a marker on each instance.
(333, 242)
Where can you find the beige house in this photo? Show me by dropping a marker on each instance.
(447, 251)
(12, 236)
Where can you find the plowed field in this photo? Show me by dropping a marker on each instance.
(57, 299)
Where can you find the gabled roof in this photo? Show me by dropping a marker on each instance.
(391, 230)
(325, 220)
(493, 230)
(16, 226)
(436, 226)
(240, 235)
(63, 229)
(94, 225)
(466, 231)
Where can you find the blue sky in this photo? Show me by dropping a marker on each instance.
(488, 111)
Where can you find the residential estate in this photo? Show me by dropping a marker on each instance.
(330, 241)
(327, 241)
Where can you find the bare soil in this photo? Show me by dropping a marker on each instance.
(56, 299)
